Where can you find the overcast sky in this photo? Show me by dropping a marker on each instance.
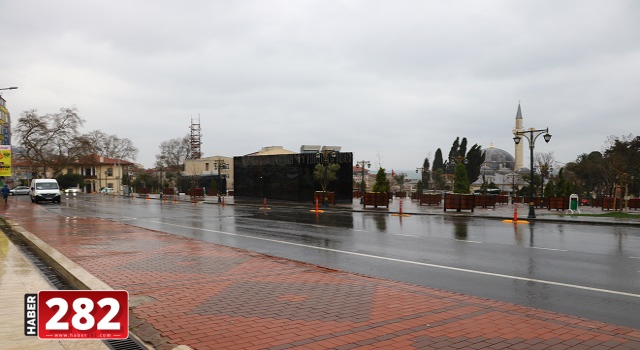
(390, 81)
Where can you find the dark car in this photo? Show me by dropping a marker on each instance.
(19, 190)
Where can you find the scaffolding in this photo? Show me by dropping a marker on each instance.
(195, 143)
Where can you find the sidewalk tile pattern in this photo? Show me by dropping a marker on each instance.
(209, 296)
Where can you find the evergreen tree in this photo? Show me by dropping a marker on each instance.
(475, 157)
(438, 164)
(438, 179)
(460, 180)
(419, 186)
(382, 183)
(549, 189)
(426, 174)
(454, 153)
(462, 150)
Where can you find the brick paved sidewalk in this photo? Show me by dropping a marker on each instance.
(209, 296)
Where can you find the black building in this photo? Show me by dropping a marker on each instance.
(290, 176)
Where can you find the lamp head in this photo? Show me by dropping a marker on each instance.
(547, 137)
(517, 139)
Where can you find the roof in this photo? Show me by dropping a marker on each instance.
(271, 150)
(519, 113)
(94, 159)
(496, 159)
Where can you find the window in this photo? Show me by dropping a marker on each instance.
(109, 171)
(69, 171)
(206, 166)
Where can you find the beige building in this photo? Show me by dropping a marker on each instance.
(100, 172)
(213, 165)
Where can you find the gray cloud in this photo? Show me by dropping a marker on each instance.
(399, 79)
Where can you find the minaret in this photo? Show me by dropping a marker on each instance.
(519, 146)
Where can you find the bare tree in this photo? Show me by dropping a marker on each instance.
(51, 141)
(112, 146)
(544, 161)
(173, 153)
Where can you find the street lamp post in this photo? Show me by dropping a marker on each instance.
(324, 158)
(531, 135)
(363, 186)
(219, 164)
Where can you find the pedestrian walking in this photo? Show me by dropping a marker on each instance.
(5, 193)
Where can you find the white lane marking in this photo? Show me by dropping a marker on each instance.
(634, 257)
(543, 248)
(400, 234)
(411, 262)
(358, 230)
(467, 241)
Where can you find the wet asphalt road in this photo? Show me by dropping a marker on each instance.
(591, 271)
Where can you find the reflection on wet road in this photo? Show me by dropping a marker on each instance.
(585, 270)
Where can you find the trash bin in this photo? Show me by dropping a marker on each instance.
(573, 204)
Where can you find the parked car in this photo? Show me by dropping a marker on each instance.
(107, 190)
(19, 190)
(72, 190)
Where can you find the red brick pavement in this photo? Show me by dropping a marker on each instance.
(209, 296)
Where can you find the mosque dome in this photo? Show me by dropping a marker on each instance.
(497, 159)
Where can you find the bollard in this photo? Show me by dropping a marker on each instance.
(400, 211)
(223, 201)
(148, 198)
(515, 216)
(264, 205)
(317, 210)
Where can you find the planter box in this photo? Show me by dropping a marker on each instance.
(538, 202)
(607, 203)
(196, 192)
(376, 199)
(430, 199)
(633, 203)
(558, 203)
(486, 201)
(502, 199)
(330, 198)
(459, 201)
(401, 194)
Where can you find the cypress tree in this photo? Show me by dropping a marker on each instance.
(460, 180)
(438, 164)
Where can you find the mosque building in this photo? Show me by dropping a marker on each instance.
(500, 167)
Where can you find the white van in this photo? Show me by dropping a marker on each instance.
(44, 190)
